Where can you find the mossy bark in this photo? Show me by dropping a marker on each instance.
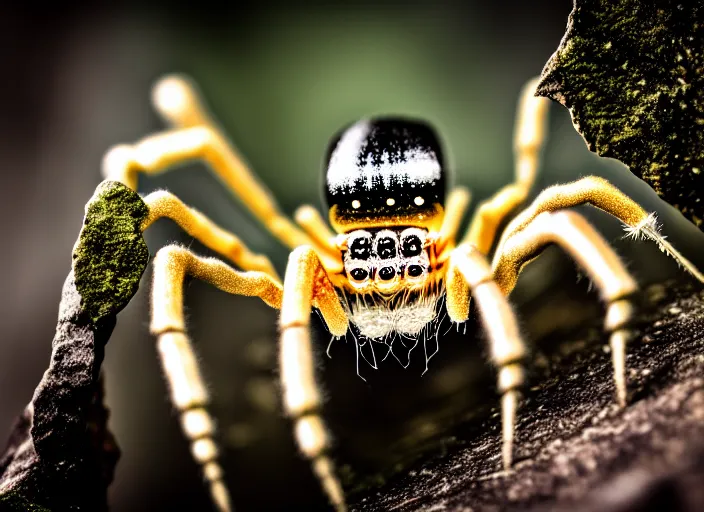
(61, 455)
(631, 73)
(110, 254)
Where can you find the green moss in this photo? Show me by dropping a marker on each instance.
(11, 502)
(632, 75)
(111, 254)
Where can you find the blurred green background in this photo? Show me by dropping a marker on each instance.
(281, 77)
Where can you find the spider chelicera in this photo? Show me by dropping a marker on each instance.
(393, 255)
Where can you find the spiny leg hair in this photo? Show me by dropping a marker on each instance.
(600, 193)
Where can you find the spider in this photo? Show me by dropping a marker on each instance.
(393, 256)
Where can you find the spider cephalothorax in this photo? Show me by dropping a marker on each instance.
(393, 263)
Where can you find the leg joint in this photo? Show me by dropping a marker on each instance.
(312, 437)
(620, 314)
(511, 376)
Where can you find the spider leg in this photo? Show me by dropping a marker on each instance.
(188, 391)
(455, 208)
(585, 245)
(305, 280)
(164, 204)
(317, 229)
(528, 141)
(458, 296)
(599, 193)
(499, 321)
(196, 136)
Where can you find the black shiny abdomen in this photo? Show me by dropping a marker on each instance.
(386, 164)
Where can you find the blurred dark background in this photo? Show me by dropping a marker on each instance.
(281, 77)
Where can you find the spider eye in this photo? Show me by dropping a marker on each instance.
(386, 273)
(359, 274)
(361, 248)
(415, 260)
(414, 270)
(411, 246)
(386, 248)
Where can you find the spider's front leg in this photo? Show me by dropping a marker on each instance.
(188, 391)
(306, 282)
(600, 193)
(163, 204)
(583, 243)
(470, 271)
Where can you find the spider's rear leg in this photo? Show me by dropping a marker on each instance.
(197, 137)
(585, 245)
(306, 283)
(188, 391)
(528, 141)
(469, 268)
(157, 153)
